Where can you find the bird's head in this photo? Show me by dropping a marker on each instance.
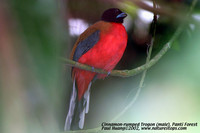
(113, 15)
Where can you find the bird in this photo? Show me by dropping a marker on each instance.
(101, 46)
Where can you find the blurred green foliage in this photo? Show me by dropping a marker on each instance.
(35, 89)
(42, 36)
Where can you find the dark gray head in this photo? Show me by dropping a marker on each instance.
(113, 15)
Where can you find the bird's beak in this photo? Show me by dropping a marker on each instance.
(121, 15)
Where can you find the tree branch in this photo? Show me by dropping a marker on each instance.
(165, 11)
(127, 73)
(132, 72)
(144, 72)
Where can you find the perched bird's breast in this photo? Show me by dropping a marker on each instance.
(106, 53)
(114, 37)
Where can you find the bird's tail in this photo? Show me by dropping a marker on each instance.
(77, 109)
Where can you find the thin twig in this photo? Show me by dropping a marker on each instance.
(133, 72)
(144, 72)
(127, 73)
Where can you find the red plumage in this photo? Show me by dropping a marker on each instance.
(105, 54)
(100, 46)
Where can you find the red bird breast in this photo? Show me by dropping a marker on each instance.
(108, 50)
(100, 46)
(105, 54)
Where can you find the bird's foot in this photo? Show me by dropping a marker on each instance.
(108, 73)
(93, 69)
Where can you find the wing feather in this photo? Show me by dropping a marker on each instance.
(85, 45)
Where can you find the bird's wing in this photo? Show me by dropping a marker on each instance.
(85, 45)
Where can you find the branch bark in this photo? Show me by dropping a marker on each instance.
(127, 73)
(133, 72)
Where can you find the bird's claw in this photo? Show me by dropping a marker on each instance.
(93, 69)
(108, 73)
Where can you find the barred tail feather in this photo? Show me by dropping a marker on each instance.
(86, 103)
(77, 109)
(72, 105)
(87, 98)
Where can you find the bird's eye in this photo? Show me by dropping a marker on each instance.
(116, 11)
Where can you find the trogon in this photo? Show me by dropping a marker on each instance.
(100, 46)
